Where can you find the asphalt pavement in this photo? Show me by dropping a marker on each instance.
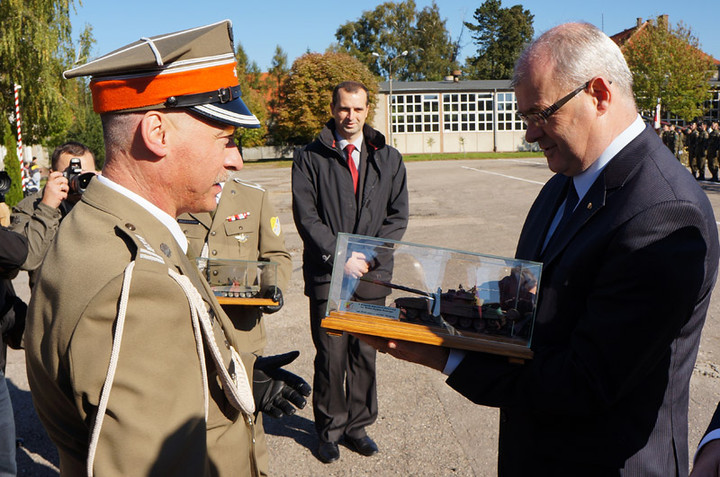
(424, 428)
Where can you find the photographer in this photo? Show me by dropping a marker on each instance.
(38, 216)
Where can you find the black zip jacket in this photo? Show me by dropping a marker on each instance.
(324, 203)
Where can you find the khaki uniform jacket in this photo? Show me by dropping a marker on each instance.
(256, 237)
(39, 223)
(155, 421)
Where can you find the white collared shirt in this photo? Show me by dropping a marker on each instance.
(342, 143)
(154, 210)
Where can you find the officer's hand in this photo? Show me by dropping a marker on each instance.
(56, 190)
(356, 266)
(278, 392)
(275, 294)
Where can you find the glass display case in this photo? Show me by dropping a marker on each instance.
(433, 295)
(239, 282)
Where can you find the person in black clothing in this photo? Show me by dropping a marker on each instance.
(366, 195)
(13, 251)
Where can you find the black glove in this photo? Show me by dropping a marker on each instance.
(275, 390)
(13, 337)
(275, 294)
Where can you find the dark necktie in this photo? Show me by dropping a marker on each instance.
(570, 203)
(571, 200)
(351, 164)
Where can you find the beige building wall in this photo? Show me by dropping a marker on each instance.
(446, 141)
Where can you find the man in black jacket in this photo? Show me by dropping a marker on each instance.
(13, 252)
(364, 194)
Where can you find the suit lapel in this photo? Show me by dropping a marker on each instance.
(615, 174)
(588, 206)
(540, 217)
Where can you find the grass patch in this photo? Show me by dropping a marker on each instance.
(417, 157)
(469, 155)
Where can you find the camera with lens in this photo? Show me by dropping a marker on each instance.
(77, 179)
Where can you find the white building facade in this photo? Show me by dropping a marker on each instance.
(450, 117)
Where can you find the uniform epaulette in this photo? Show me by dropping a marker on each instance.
(144, 250)
(248, 184)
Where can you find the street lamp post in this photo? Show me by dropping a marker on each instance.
(390, 98)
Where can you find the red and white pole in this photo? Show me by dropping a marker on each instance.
(19, 133)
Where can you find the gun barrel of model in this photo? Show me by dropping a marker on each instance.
(398, 287)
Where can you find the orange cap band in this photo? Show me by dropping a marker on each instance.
(119, 94)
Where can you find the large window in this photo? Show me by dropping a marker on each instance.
(467, 111)
(415, 113)
(507, 120)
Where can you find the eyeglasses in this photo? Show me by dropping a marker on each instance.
(540, 118)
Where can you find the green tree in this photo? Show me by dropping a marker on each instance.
(254, 96)
(500, 35)
(277, 76)
(667, 63)
(12, 165)
(85, 126)
(308, 92)
(279, 65)
(35, 47)
(392, 28)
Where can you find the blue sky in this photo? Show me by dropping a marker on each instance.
(302, 25)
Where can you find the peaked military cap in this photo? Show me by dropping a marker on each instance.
(194, 69)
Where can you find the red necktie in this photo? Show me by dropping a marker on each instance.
(351, 164)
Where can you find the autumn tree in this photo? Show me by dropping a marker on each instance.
(308, 92)
(500, 35)
(667, 63)
(394, 27)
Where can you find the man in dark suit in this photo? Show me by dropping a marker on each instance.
(625, 285)
(707, 458)
(347, 180)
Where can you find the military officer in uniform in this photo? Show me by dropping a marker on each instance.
(244, 227)
(133, 366)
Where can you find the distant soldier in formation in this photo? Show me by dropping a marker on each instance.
(691, 139)
(669, 138)
(713, 150)
(701, 147)
(681, 153)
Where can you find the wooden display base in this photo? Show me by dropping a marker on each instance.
(432, 335)
(225, 300)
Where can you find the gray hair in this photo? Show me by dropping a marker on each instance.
(579, 52)
(119, 130)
